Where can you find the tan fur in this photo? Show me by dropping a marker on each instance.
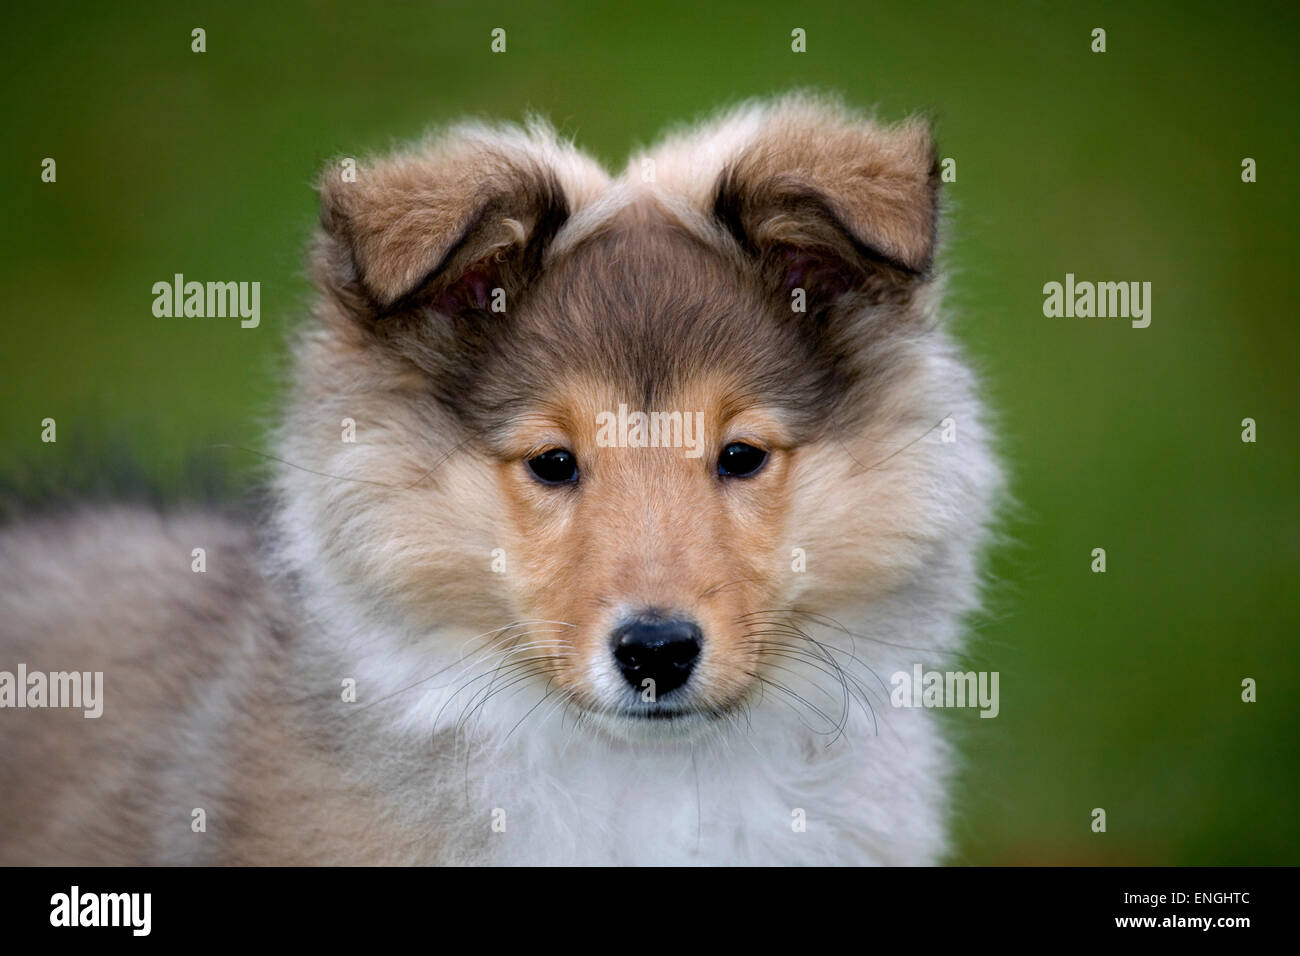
(404, 212)
(653, 528)
(881, 180)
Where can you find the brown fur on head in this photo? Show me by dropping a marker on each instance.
(487, 297)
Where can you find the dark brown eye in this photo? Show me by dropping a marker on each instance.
(555, 467)
(739, 460)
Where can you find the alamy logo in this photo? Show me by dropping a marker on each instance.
(951, 689)
(1102, 300)
(38, 689)
(626, 429)
(75, 908)
(213, 300)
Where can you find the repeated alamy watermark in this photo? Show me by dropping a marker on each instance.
(1101, 300)
(625, 429)
(922, 688)
(214, 300)
(82, 690)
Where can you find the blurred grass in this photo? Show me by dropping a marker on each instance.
(1119, 690)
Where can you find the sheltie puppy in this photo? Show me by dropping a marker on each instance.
(608, 506)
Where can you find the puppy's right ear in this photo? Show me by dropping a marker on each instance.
(832, 201)
(448, 225)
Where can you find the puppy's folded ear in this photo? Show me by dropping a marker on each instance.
(449, 225)
(831, 202)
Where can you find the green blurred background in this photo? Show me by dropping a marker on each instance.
(1120, 690)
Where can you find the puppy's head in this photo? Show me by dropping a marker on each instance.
(624, 432)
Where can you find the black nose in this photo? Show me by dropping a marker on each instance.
(657, 648)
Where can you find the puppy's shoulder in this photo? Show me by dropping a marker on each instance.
(122, 577)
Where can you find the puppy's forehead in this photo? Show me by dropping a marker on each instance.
(653, 302)
(652, 311)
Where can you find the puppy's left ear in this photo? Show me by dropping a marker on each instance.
(833, 203)
(442, 227)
